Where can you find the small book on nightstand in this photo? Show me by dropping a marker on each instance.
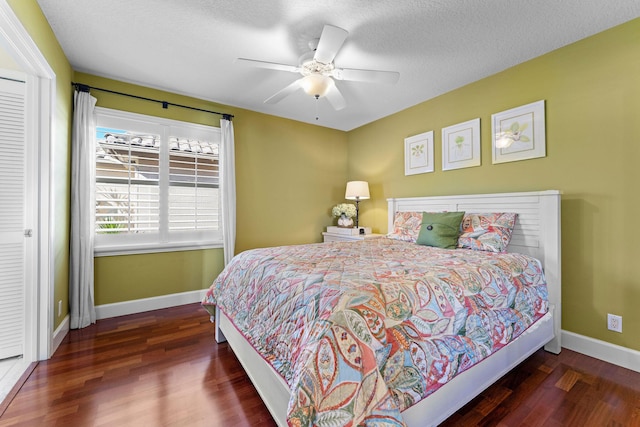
(352, 231)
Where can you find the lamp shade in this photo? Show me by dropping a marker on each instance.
(357, 190)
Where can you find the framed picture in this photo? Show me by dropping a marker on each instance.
(418, 153)
(518, 134)
(461, 145)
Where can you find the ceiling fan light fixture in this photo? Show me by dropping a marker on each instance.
(316, 84)
(319, 72)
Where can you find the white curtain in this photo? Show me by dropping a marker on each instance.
(228, 184)
(83, 152)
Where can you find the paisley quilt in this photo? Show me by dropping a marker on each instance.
(363, 330)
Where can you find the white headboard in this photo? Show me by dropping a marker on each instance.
(537, 230)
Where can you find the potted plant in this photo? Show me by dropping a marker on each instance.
(345, 212)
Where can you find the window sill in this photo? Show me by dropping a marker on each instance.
(154, 248)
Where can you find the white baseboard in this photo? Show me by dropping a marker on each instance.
(58, 335)
(106, 311)
(615, 354)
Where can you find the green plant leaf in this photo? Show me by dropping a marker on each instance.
(514, 127)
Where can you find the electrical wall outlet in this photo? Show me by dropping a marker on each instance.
(59, 308)
(614, 323)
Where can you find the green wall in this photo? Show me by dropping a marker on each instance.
(130, 277)
(288, 175)
(592, 94)
(35, 23)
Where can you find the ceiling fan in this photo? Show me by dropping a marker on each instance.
(318, 70)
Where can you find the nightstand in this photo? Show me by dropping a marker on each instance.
(332, 237)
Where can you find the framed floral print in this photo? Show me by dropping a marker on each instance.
(519, 133)
(461, 145)
(418, 153)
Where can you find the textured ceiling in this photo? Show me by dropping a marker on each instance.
(189, 46)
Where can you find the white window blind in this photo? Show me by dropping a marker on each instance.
(127, 182)
(193, 185)
(157, 184)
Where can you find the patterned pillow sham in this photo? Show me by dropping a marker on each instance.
(489, 232)
(406, 226)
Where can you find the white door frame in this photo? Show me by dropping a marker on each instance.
(41, 93)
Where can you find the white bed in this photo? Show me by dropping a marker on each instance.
(537, 233)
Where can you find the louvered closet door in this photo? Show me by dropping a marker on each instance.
(12, 217)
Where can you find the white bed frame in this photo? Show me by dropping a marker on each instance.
(537, 233)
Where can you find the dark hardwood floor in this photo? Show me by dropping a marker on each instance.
(163, 368)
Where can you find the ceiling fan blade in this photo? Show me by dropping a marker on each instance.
(371, 76)
(335, 98)
(331, 41)
(283, 93)
(269, 65)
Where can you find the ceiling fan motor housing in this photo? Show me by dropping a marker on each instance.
(314, 67)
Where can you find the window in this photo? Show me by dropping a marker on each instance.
(157, 184)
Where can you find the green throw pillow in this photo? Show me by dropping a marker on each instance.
(440, 229)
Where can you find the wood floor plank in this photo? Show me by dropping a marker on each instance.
(163, 368)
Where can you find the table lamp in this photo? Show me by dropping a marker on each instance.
(357, 190)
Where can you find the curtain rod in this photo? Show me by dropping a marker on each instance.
(85, 88)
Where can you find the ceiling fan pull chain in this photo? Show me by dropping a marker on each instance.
(317, 97)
